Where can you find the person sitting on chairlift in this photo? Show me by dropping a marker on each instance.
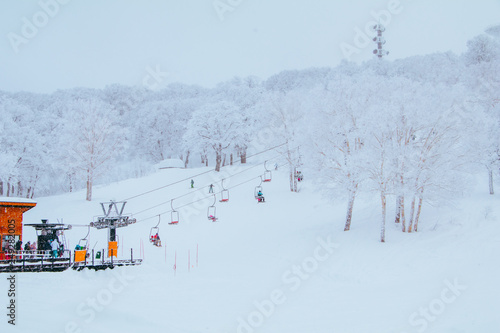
(156, 239)
(260, 196)
(299, 176)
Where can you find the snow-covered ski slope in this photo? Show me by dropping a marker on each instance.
(282, 266)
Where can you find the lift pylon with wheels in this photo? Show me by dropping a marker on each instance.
(112, 219)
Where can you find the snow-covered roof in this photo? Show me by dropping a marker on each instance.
(171, 163)
(15, 199)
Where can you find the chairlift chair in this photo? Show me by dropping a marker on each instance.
(211, 212)
(299, 176)
(154, 236)
(84, 242)
(267, 173)
(257, 190)
(267, 176)
(260, 199)
(224, 194)
(81, 248)
(174, 215)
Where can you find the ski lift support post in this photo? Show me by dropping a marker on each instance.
(111, 222)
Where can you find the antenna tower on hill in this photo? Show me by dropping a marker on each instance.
(380, 41)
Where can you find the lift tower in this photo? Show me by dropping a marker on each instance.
(380, 41)
(112, 219)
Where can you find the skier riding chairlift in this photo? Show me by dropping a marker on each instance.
(260, 197)
(155, 239)
(299, 176)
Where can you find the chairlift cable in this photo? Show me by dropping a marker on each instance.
(199, 189)
(195, 201)
(197, 175)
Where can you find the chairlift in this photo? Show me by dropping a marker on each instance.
(174, 215)
(82, 248)
(211, 212)
(267, 173)
(299, 176)
(84, 242)
(154, 236)
(224, 194)
(258, 188)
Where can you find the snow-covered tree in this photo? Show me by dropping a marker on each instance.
(338, 138)
(159, 129)
(90, 139)
(284, 114)
(482, 77)
(245, 93)
(19, 149)
(217, 126)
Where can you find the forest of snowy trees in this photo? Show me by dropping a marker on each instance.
(411, 130)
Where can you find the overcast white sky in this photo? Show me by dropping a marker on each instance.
(93, 43)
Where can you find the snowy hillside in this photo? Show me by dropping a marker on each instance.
(282, 266)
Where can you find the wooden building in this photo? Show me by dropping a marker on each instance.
(11, 222)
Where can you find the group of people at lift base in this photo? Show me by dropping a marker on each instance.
(55, 247)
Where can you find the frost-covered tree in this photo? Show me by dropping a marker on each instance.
(284, 113)
(159, 129)
(217, 126)
(381, 168)
(90, 139)
(20, 149)
(483, 65)
(245, 93)
(338, 137)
